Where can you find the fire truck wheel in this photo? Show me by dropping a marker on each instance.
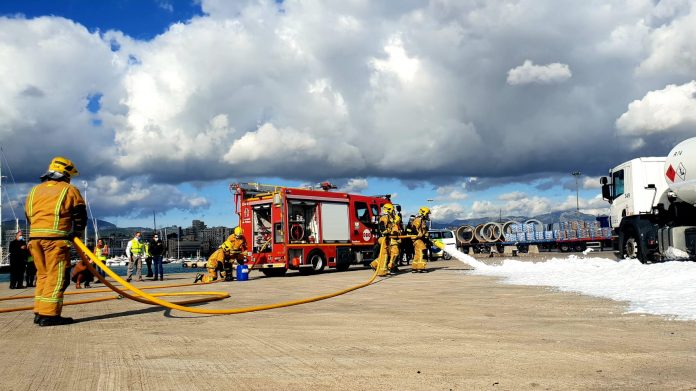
(344, 260)
(316, 257)
(274, 272)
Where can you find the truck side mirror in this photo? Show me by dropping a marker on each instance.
(606, 192)
(603, 180)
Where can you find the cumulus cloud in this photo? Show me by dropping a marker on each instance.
(671, 45)
(354, 185)
(520, 204)
(451, 193)
(543, 74)
(447, 212)
(109, 196)
(309, 90)
(591, 183)
(660, 111)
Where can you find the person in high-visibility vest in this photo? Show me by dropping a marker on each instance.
(135, 251)
(420, 244)
(101, 250)
(148, 259)
(56, 212)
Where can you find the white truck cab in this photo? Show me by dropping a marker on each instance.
(653, 205)
(636, 186)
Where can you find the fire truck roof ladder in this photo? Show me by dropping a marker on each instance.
(254, 188)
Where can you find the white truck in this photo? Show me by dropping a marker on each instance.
(653, 212)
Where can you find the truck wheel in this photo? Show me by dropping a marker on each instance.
(564, 247)
(630, 249)
(274, 272)
(344, 261)
(580, 247)
(318, 261)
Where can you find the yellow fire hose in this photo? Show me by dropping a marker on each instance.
(143, 297)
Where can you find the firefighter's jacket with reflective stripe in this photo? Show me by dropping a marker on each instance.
(388, 226)
(51, 207)
(420, 227)
(237, 246)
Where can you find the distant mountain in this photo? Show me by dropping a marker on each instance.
(547, 218)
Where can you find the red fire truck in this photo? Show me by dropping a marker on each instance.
(306, 229)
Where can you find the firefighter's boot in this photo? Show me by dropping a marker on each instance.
(199, 277)
(393, 267)
(418, 266)
(228, 271)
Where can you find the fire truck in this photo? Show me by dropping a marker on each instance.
(306, 229)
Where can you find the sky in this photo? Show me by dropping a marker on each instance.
(665, 289)
(483, 107)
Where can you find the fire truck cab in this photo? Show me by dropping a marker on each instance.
(306, 229)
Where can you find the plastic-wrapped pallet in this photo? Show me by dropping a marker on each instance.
(548, 235)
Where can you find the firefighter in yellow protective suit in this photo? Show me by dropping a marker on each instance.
(230, 251)
(56, 212)
(420, 243)
(389, 230)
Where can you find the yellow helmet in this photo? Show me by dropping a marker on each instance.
(62, 166)
(388, 208)
(238, 231)
(424, 211)
(226, 246)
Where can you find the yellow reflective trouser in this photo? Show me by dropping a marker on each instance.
(418, 260)
(212, 266)
(52, 261)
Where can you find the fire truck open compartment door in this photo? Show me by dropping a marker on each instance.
(335, 227)
(303, 224)
(261, 226)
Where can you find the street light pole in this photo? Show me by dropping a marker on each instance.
(430, 203)
(576, 174)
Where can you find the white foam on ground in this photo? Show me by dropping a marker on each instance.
(667, 288)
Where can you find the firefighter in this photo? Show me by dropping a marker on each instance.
(56, 213)
(230, 251)
(421, 242)
(236, 249)
(215, 264)
(389, 230)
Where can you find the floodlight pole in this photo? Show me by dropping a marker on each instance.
(576, 174)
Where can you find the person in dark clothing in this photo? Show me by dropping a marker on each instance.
(157, 249)
(31, 272)
(18, 261)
